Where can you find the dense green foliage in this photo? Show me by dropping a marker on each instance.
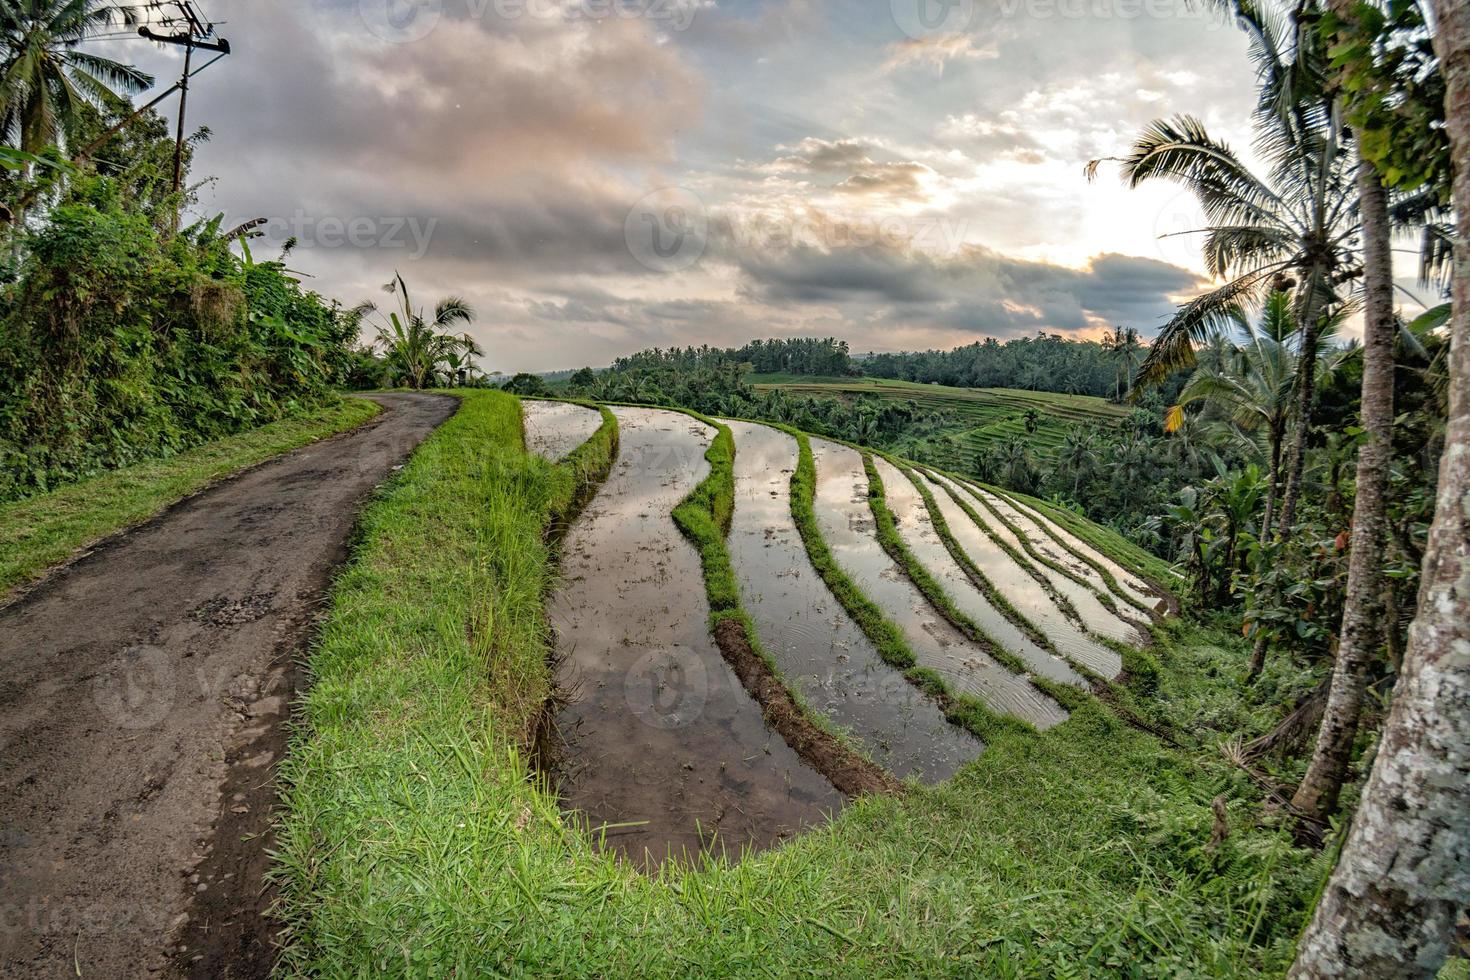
(807, 356)
(121, 340)
(1046, 362)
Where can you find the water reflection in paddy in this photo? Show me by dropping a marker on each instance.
(659, 736)
(847, 525)
(554, 429)
(821, 652)
(1023, 591)
(923, 540)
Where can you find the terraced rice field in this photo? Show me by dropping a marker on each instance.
(983, 416)
(663, 748)
(818, 648)
(916, 527)
(848, 527)
(664, 752)
(1023, 589)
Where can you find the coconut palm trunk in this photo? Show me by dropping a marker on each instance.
(1362, 616)
(1390, 907)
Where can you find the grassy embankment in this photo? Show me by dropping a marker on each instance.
(38, 532)
(417, 840)
(983, 417)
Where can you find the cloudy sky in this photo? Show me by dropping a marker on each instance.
(600, 176)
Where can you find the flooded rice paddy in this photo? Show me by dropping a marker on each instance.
(554, 429)
(923, 540)
(1129, 582)
(1097, 617)
(662, 752)
(662, 746)
(1019, 588)
(847, 525)
(820, 651)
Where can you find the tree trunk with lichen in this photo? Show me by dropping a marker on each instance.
(1403, 878)
(1362, 617)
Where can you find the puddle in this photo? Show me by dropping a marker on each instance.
(1098, 617)
(918, 532)
(821, 652)
(554, 429)
(659, 738)
(1129, 582)
(847, 525)
(1021, 590)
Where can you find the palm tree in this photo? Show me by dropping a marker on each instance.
(1125, 347)
(1402, 862)
(1362, 620)
(1251, 386)
(1078, 456)
(416, 347)
(45, 80)
(1295, 229)
(1016, 466)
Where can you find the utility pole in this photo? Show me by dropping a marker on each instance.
(196, 33)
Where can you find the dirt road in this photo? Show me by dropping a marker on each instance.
(142, 694)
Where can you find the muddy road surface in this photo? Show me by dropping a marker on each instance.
(142, 703)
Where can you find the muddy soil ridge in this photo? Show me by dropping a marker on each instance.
(822, 653)
(663, 751)
(141, 715)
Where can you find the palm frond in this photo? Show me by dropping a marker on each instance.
(1173, 349)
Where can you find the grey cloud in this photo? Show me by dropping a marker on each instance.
(978, 290)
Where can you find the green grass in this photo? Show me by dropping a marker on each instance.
(417, 841)
(983, 416)
(38, 532)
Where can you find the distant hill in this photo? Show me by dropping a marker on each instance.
(984, 416)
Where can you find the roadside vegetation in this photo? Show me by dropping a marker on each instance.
(39, 531)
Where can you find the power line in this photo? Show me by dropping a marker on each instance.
(191, 31)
